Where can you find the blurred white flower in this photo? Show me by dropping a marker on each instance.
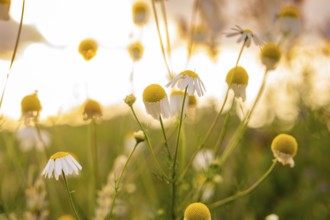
(28, 138)
(203, 160)
(176, 99)
(272, 217)
(245, 35)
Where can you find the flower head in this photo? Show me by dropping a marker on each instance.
(61, 162)
(31, 107)
(288, 20)
(136, 51)
(176, 99)
(197, 211)
(270, 55)
(88, 49)
(188, 78)
(139, 136)
(156, 101)
(272, 217)
(237, 79)
(140, 13)
(246, 35)
(130, 100)
(29, 138)
(284, 148)
(92, 110)
(4, 9)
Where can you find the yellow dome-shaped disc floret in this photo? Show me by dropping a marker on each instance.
(31, 103)
(270, 55)
(289, 12)
(197, 211)
(92, 109)
(284, 148)
(237, 75)
(58, 155)
(189, 73)
(153, 93)
(88, 49)
(140, 13)
(136, 51)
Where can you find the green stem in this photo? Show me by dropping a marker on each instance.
(119, 180)
(244, 192)
(94, 149)
(14, 53)
(70, 196)
(240, 130)
(201, 145)
(148, 142)
(174, 174)
(160, 38)
(165, 138)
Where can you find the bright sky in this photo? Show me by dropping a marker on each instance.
(52, 65)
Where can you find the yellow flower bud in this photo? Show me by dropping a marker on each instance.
(270, 55)
(153, 93)
(197, 211)
(92, 110)
(284, 148)
(136, 51)
(130, 100)
(88, 49)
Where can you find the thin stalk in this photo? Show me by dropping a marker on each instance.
(119, 180)
(192, 31)
(148, 142)
(174, 174)
(165, 138)
(201, 145)
(244, 192)
(42, 140)
(160, 38)
(94, 150)
(168, 42)
(70, 196)
(14, 53)
(240, 130)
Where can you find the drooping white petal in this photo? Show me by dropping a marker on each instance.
(58, 168)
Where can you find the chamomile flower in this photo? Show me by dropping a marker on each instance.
(31, 107)
(140, 12)
(92, 110)
(176, 99)
(4, 9)
(136, 51)
(61, 162)
(270, 55)
(237, 79)
(197, 211)
(272, 217)
(130, 99)
(245, 35)
(188, 78)
(284, 148)
(156, 101)
(288, 20)
(88, 49)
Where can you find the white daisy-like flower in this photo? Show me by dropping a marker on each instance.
(203, 160)
(272, 217)
(288, 20)
(245, 35)
(284, 148)
(156, 101)
(237, 79)
(4, 9)
(176, 99)
(188, 78)
(61, 162)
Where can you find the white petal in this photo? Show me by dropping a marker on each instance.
(58, 168)
(49, 168)
(72, 159)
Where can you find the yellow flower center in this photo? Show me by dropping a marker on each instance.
(88, 48)
(286, 144)
(92, 109)
(197, 211)
(153, 93)
(140, 8)
(58, 155)
(189, 73)
(136, 50)
(31, 103)
(237, 75)
(270, 55)
(246, 31)
(289, 12)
